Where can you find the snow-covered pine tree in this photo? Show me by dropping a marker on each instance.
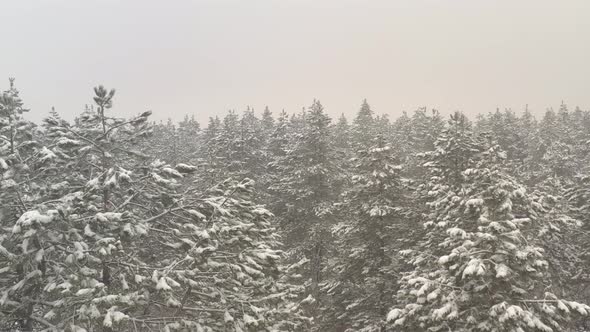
(426, 128)
(363, 128)
(24, 163)
(188, 139)
(580, 134)
(222, 149)
(548, 133)
(219, 266)
(189, 126)
(342, 134)
(307, 185)
(277, 148)
(527, 131)
(207, 158)
(18, 151)
(267, 122)
(164, 141)
(236, 149)
(343, 145)
(501, 126)
(479, 267)
(251, 142)
(368, 239)
(279, 138)
(213, 128)
(578, 195)
(383, 126)
(401, 135)
(73, 244)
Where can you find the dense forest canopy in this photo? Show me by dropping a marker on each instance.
(293, 222)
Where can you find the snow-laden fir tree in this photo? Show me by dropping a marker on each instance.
(502, 127)
(44, 240)
(308, 188)
(401, 135)
(236, 149)
(267, 122)
(426, 127)
(342, 138)
(577, 194)
(19, 152)
(279, 138)
(221, 148)
(164, 141)
(277, 149)
(363, 128)
(368, 240)
(251, 145)
(207, 153)
(188, 139)
(218, 266)
(342, 134)
(479, 267)
(124, 244)
(24, 162)
(527, 132)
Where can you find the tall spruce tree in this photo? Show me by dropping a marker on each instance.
(368, 241)
(363, 127)
(479, 267)
(308, 187)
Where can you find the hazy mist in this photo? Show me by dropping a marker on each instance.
(204, 57)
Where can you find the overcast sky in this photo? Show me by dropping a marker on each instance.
(205, 57)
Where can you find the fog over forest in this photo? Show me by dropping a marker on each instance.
(204, 57)
(293, 222)
(295, 166)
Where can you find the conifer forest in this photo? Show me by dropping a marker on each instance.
(262, 220)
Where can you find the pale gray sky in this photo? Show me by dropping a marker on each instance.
(204, 57)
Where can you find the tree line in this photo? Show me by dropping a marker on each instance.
(293, 222)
